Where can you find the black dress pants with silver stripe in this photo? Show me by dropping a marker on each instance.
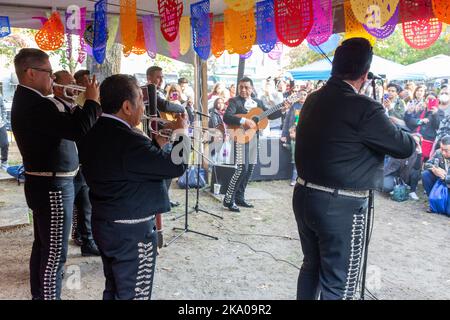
(332, 234)
(128, 252)
(83, 210)
(51, 200)
(245, 157)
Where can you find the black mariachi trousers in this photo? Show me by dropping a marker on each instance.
(128, 251)
(332, 234)
(51, 200)
(81, 221)
(245, 157)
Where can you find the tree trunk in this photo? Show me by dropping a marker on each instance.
(110, 66)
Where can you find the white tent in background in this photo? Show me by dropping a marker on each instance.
(321, 70)
(434, 67)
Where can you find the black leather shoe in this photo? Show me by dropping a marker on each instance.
(78, 241)
(89, 249)
(245, 204)
(174, 204)
(231, 206)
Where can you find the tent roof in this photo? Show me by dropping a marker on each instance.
(20, 12)
(434, 67)
(321, 70)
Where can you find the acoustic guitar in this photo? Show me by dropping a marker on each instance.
(241, 135)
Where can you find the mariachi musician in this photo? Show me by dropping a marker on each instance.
(155, 77)
(245, 152)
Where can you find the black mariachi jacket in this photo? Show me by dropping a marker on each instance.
(124, 171)
(342, 138)
(45, 134)
(236, 106)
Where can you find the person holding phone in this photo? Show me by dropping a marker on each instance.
(395, 107)
(425, 119)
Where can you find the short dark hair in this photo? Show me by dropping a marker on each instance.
(352, 59)
(445, 140)
(152, 70)
(59, 74)
(396, 86)
(27, 58)
(246, 79)
(117, 89)
(182, 80)
(79, 75)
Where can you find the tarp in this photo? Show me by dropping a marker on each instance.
(433, 68)
(321, 70)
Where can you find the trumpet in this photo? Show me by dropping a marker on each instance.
(70, 87)
(167, 133)
(75, 90)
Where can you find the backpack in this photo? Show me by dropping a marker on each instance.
(401, 191)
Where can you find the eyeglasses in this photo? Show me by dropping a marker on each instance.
(50, 72)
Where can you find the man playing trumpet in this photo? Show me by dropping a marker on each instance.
(65, 93)
(125, 171)
(45, 134)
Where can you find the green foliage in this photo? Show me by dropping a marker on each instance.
(64, 61)
(187, 72)
(18, 39)
(393, 48)
(396, 49)
(302, 55)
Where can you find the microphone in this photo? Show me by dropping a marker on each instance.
(202, 114)
(372, 76)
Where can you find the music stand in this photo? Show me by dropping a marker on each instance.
(186, 218)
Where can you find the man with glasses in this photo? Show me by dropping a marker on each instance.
(45, 133)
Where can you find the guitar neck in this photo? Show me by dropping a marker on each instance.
(271, 111)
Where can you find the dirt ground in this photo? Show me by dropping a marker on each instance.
(257, 255)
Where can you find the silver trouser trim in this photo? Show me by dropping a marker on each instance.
(56, 240)
(237, 173)
(51, 174)
(135, 221)
(144, 277)
(348, 193)
(355, 257)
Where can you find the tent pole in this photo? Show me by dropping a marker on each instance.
(241, 69)
(201, 97)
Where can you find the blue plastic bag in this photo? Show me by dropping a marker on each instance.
(438, 197)
(192, 178)
(17, 172)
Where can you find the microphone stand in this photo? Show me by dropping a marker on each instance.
(370, 211)
(186, 219)
(196, 208)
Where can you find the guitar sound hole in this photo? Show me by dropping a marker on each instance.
(255, 119)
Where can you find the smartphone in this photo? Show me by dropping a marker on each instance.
(174, 95)
(433, 102)
(385, 96)
(145, 95)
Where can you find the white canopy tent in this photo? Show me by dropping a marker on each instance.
(321, 70)
(433, 68)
